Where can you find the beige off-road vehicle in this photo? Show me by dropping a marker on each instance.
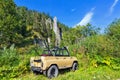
(52, 60)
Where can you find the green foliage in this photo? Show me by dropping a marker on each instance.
(98, 54)
(113, 33)
(13, 64)
(9, 57)
(18, 24)
(99, 73)
(114, 29)
(8, 23)
(74, 35)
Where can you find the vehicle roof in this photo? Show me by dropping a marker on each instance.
(56, 49)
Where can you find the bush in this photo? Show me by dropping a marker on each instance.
(13, 64)
(9, 56)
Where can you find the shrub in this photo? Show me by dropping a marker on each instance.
(9, 56)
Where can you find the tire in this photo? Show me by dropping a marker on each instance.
(52, 71)
(74, 66)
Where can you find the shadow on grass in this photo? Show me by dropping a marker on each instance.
(64, 71)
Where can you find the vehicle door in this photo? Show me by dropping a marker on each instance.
(60, 59)
(67, 59)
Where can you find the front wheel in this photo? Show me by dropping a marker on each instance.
(52, 71)
(74, 66)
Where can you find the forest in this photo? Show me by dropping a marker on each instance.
(98, 53)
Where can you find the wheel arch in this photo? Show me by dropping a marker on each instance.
(52, 65)
(74, 62)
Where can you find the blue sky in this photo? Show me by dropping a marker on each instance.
(99, 13)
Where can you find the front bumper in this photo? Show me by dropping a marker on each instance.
(36, 69)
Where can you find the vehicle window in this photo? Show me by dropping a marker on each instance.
(53, 53)
(65, 53)
(61, 52)
(57, 53)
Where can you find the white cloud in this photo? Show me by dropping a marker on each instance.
(87, 18)
(113, 5)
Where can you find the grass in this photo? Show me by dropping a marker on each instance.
(98, 73)
(17, 68)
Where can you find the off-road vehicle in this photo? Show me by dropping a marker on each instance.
(52, 60)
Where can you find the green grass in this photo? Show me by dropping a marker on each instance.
(98, 73)
(15, 66)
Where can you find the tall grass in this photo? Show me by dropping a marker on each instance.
(14, 64)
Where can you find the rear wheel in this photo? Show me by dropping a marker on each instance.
(74, 66)
(52, 71)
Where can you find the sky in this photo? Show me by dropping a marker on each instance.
(99, 13)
